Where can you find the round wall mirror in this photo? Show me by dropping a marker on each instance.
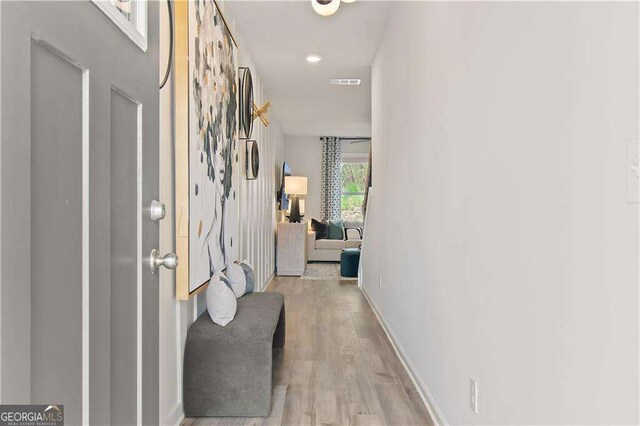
(246, 103)
(253, 160)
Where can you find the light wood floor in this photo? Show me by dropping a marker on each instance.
(337, 367)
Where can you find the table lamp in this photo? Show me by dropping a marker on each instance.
(288, 210)
(295, 186)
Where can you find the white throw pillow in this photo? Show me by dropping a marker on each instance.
(237, 278)
(221, 301)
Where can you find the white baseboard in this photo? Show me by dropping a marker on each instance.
(421, 387)
(177, 415)
(269, 281)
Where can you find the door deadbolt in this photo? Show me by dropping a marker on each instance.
(156, 211)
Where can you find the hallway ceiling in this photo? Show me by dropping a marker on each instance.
(279, 35)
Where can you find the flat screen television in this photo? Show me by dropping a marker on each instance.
(283, 198)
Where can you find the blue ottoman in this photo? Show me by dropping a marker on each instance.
(349, 261)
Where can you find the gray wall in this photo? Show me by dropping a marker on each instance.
(499, 221)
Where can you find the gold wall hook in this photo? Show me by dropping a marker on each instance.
(262, 113)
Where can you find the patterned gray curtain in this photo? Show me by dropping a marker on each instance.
(366, 189)
(331, 189)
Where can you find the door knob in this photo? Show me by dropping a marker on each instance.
(156, 211)
(169, 261)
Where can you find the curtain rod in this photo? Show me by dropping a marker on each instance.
(355, 138)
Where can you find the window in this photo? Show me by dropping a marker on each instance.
(130, 16)
(354, 182)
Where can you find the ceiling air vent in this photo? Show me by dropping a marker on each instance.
(345, 81)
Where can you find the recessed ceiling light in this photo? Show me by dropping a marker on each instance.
(345, 81)
(313, 59)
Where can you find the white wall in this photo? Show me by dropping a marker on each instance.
(304, 155)
(257, 226)
(175, 316)
(499, 223)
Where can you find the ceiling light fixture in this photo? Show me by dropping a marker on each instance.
(348, 1)
(345, 81)
(313, 59)
(325, 7)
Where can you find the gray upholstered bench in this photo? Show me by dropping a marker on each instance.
(227, 370)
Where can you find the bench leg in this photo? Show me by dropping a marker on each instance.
(279, 335)
(233, 380)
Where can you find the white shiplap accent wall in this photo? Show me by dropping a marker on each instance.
(258, 208)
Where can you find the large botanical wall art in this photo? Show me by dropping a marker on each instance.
(206, 194)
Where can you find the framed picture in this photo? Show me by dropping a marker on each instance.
(130, 16)
(206, 126)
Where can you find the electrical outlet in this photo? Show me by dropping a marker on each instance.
(379, 283)
(633, 171)
(473, 395)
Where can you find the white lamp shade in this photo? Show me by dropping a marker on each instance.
(295, 185)
(348, 1)
(325, 7)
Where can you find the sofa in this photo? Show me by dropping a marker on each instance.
(325, 250)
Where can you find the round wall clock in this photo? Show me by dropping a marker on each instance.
(246, 103)
(253, 160)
